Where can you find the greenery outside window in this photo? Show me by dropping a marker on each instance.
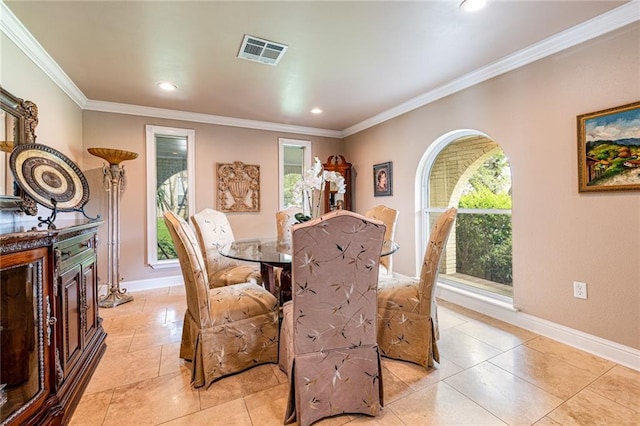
(473, 174)
(170, 186)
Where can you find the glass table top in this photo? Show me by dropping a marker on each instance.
(271, 250)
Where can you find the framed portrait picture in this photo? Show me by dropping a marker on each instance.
(609, 149)
(383, 179)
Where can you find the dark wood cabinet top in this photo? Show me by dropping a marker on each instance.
(20, 240)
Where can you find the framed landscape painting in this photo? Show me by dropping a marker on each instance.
(609, 149)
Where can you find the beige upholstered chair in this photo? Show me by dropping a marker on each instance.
(407, 311)
(285, 219)
(389, 217)
(214, 230)
(226, 329)
(330, 349)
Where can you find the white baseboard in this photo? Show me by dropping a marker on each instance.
(620, 354)
(148, 284)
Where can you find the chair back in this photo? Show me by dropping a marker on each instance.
(433, 255)
(335, 278)
(285, 219)
(213, 230)
(193, 268)
(389, 217)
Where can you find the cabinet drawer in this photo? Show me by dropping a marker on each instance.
(74, 250)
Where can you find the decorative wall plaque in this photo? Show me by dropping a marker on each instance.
(51, 179)
(238, 187)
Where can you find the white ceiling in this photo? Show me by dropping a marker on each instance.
(359, 61)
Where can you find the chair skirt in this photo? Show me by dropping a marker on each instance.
(243, 333)
(403, 331)
(324, 382)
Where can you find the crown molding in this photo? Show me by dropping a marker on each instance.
(18, 34)
(169, 114)
(605, 23)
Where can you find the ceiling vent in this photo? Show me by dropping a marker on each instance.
(259, 50)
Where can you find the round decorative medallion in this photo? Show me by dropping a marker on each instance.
(49, 177)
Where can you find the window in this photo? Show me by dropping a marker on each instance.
(473, 174)
(294, 159)
(170, 176)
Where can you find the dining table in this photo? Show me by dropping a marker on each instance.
(272, 253)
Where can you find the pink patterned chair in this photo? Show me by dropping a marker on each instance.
(329, 328)
(389, 217)
(226, 329)
(407, 311)
(214, 230)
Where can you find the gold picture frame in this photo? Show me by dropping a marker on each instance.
(238, 187)
(609, 149)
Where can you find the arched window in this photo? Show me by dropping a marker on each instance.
(469, 170)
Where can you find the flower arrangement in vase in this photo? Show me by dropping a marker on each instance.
(311, 187)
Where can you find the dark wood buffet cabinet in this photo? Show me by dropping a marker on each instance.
(51, 334)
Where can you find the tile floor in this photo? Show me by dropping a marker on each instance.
(491, 373)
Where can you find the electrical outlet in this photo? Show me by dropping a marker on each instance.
(579, 290)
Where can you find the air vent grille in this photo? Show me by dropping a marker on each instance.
(263, 51)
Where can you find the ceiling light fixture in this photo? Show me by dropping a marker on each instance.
(316, 111)
(168, 86)
(472, 5)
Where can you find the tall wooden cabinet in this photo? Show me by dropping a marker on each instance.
(48, 287)
(333, 200)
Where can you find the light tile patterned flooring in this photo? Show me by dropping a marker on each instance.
(491, 373)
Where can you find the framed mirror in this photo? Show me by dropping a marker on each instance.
(18, 121)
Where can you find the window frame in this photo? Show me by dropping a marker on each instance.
(152, 131)
(424, 210)
(306, 160)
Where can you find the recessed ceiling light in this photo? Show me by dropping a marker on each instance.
(472, 5)
(168, 86)
(316, 111)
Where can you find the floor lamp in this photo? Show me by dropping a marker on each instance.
(113, 181)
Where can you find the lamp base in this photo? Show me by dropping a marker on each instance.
(113, 299)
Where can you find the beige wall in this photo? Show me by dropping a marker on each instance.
(60, 119)
(559, 235)
(214, 144)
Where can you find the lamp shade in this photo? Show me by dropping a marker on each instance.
(113, 156)
(6, 146)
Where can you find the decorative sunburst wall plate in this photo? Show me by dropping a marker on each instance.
(49, 177)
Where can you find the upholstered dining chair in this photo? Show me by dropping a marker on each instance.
(226, 329)
(407, 311)
(285, 219)
(389, 217)
(213, 231)
(330, 349)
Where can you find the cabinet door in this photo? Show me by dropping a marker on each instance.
(26, 323)
(90, 288)
(70, 327)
